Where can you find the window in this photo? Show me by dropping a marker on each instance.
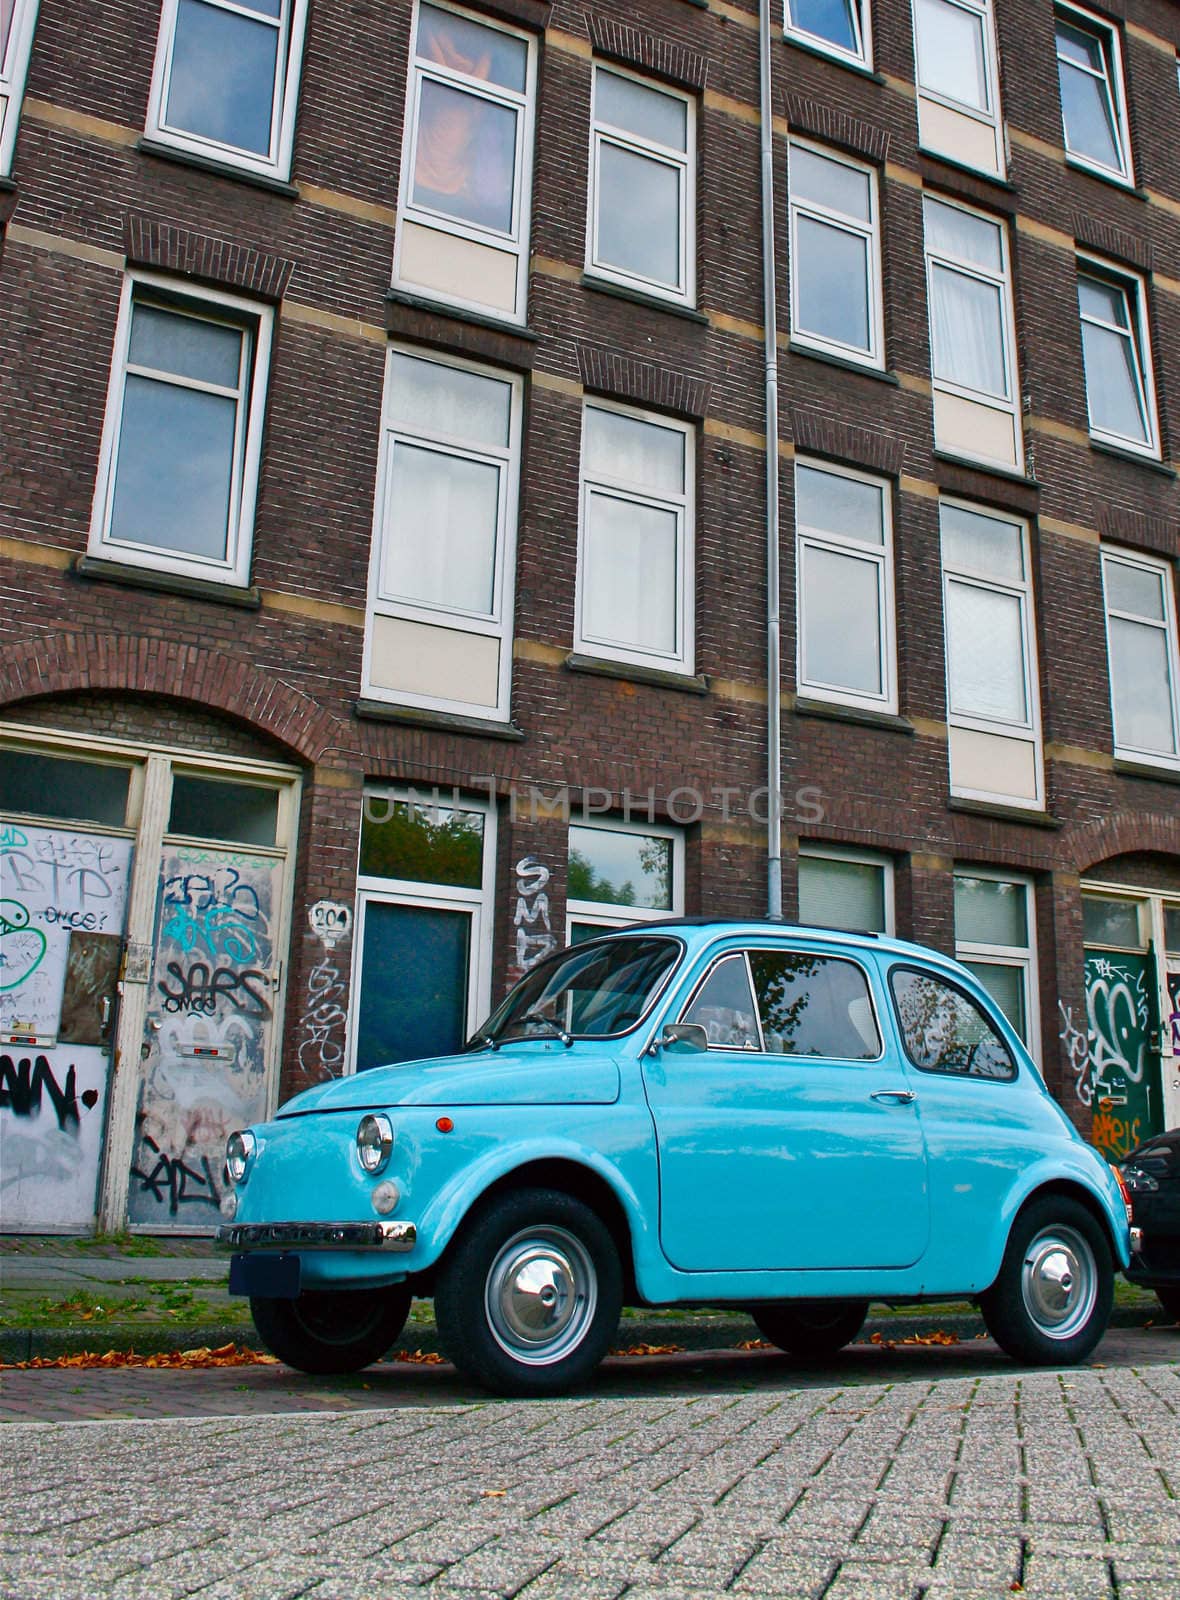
(844, 551)
(973, 357)
(178, 472)
(1093, 103)
(597, 992)
(839, 889)
(837, 27)
(958, 89)
(835, 256)
(635, 564)
(440, 591)
(1144, 663)
(1116, 350)
(227, 78)
(812, 1005)
(991, 669)
(620, 874)
(18, 19)
(995, 940)
(642, 186)
(945, 1031)
(422, 951)
(467, 160)
(213, 808)
(56, 786)
(724, 1006)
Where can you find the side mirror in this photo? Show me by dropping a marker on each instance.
(684, 1038)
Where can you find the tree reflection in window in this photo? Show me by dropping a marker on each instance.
(814, 1006)
(945, 1031)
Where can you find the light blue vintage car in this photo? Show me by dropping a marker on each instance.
(789, 1120)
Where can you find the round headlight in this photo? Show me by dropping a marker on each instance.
(239, 1147)
(374, 1142)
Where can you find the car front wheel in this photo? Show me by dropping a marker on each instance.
(527, 1301)
(1051, 1302)
(335, 1331)
(811, 1328)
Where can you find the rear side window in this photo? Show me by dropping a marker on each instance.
(814, 1006)
(945, 1031)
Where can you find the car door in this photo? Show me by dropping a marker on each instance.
(793, 1141)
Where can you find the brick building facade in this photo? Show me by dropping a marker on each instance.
(384, 421)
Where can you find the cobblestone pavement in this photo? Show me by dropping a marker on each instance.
(959, 1487)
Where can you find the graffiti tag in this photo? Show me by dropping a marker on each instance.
(532, 912)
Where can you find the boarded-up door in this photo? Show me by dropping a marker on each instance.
(1124, 1068)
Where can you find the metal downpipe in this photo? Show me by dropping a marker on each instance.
(774, 801)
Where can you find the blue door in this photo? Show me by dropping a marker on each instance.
(413, 988)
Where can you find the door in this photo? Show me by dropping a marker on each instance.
(1171, 1030)
(1122, 1035)
(793, 1141)
(414, 969)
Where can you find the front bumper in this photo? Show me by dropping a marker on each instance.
(392, 1236)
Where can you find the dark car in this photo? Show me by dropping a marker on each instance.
(1152, 1174)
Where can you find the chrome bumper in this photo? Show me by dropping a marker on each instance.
(317, 1236)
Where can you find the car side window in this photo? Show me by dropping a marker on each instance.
(945, 1031)
(724, 1007)
(812, 1005)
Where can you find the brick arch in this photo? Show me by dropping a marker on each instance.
(66, 663)
(1125, 833)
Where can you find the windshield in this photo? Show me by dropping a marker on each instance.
(591, 991)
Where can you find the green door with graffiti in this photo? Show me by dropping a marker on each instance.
(1123, 1038)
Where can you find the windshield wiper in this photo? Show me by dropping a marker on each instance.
(550, 1022)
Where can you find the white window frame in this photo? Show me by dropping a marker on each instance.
(874, 356)
(605, 915)
(1022, 591)
(990, 118)
(217, 306)
(516, 239)
(1134, 290)
(684, 507)
(479, 903)
(685, 163)
(862, 22)
(861, 858)
(1009, 405)
(882, 556)
(290, 25)
(1165, 572)
(497, 624)
(1002, 955)
(1116, 91)
(14, 69)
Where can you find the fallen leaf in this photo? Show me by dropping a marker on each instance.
(494, 1494)
(421, 1358)
(755, 1344)
(649, 1350)
(226, 1355)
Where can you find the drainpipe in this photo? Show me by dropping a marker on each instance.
(774, 715)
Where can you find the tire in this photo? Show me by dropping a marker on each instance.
(1051, 1302)
(527, 1300)
(1170, 1300)
(340, 1330)
(811, 1328)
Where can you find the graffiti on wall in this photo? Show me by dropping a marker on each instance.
(1077, 1052)
(1174, 1004)
(322, 1025)
(1118, 1025)
(533, 931)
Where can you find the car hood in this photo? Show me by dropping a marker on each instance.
(542, 1076)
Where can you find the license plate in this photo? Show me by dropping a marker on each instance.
(265, 1277)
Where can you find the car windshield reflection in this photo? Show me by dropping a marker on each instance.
(594, 991)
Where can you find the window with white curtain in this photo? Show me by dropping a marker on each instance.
(1144, 660)
(995, 939)
(635, 559)
(1093, 99)
(843, 889)
(1116, 350)
(642, 185)
(18, 19)
(844, 584)
(842, 28)
(955, 68)
(835, 255)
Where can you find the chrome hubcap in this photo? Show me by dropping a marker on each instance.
(541, 1295)
(1059, 1282)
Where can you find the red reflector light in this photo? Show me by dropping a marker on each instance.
(444, 1125)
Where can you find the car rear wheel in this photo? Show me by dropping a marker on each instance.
(1170, 1300)
(811, 1327)
(1051, 1302)
(335, 1331)
(527, 1301)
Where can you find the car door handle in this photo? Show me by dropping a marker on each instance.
(901, 1097)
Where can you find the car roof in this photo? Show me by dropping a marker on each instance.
(761, 927)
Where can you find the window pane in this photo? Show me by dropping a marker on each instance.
(413, 984)
(1005, 985)
(990, 912)
(622, 869)
(640, 110)
(205, 808)
(52, 786)
(1135, 589)
(1113, 922)
(841, 621)
(986, 650)
(952, 232)
(423, 844)
(814, 1006)
(429, 397)
(626, 450)
(827, 19)
(598, 990)
(174, 471)
(968, 332)
(1143, 690)
(724, 1007)
(1085, 98)
(1112, 382)
(944, 1031)
(832, 284)
(470, 48)
(972, 542)
(190, 347)
(638, 215)
(222, 80)
(832, 503)
(466, 156)
(442, 546)
(7, 8)
(841, 894)
(1104, 300)
(630, 582)
(952, 58)
(1172, 930)
(830, 183)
